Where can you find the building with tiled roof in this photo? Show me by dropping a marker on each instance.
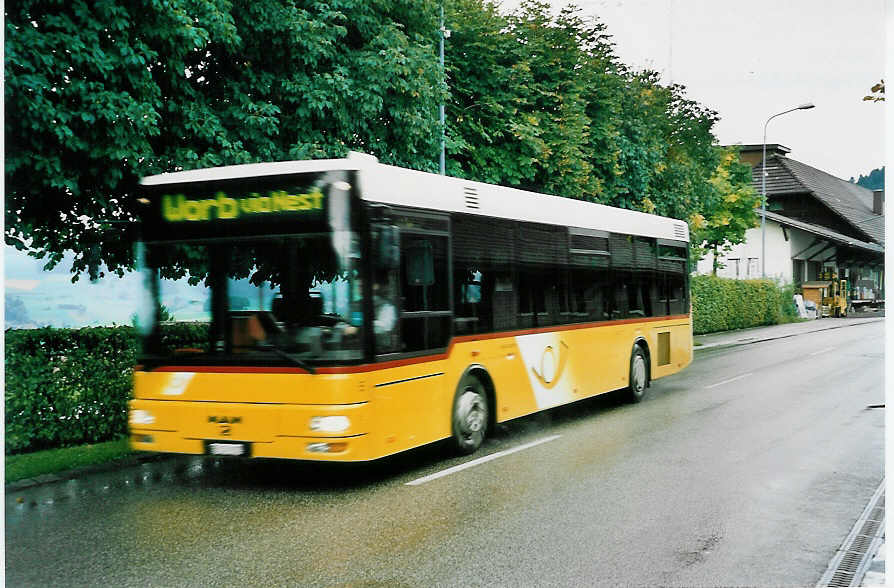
(816, 224)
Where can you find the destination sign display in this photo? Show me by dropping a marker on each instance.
(178, 208)
(223, 209)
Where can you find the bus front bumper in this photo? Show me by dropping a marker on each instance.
(308, 432)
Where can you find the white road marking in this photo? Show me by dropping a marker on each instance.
(479, 461)
(821, 351)
(728, 381)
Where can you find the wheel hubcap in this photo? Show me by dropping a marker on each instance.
(639, 373)
(471, 413)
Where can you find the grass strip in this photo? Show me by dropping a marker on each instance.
(52, 461)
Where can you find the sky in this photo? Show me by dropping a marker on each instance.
(37, 298)
(746, 60)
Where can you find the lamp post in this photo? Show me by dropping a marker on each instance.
(806, 106)
(444, 34)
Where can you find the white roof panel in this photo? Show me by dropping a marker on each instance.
(252, 170)
(404, 187)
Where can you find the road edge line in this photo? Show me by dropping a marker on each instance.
(479, 461)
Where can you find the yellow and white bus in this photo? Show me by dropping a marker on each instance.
(354, 310)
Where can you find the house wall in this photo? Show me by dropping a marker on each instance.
(779, 256)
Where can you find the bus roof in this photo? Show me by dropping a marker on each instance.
(253, 170)
(404, 187)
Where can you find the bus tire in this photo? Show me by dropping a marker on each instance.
(639, 377)
(470, 415)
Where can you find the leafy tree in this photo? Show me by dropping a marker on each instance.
(666, 150)
(541, 102)
(719, 228)
(877, 93)
(874, 180)
(107, 91)
(485, 133)
(517, 106)
(110, 90)
(550, 69)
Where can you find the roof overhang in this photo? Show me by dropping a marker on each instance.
(828, 234)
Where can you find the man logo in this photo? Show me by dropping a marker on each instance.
(226, 423)
(224, 420)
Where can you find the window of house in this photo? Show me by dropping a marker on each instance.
(752, 271)
(733, 264)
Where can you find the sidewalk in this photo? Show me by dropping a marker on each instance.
(757, 334)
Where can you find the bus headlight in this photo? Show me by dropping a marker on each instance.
(141, 417)
(330, 424)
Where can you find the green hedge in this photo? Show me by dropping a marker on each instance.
(722, 304)
(71, 386)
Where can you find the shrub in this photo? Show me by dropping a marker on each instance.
(722, 304)
(71, 386)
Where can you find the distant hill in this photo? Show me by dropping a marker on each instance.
(874, 181)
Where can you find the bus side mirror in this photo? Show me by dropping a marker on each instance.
(420, 264)
(388, 253)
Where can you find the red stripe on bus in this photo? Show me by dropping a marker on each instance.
(368, 367)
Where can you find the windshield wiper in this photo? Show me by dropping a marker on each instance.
(299, 362)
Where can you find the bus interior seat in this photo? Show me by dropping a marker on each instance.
(248, 328)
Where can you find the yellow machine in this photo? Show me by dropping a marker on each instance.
(835, 297)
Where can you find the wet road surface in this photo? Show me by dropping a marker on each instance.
(749, 467)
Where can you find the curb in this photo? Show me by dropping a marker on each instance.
(717, 346)
(875, 575)
(127, 462)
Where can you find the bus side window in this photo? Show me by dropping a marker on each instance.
(424, 273)
(385, 324)
(592, 294)
(633, 287)
(425, 321)
(648, 288)
(505, 306)
(554, 285)
(622, 295)
(525, 300)
(677, 291)
(662, 307)
(473, 300)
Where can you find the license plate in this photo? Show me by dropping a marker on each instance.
(230, 449)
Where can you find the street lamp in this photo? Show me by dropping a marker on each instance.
(807, 106)
(444, 34)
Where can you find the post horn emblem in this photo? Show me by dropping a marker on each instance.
(551, 367)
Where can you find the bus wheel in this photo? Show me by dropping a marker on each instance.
(470, 415)
(637, 388)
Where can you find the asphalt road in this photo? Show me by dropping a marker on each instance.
(749, 468)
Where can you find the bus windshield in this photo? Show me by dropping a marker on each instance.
(289, 298)
(260, 270)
